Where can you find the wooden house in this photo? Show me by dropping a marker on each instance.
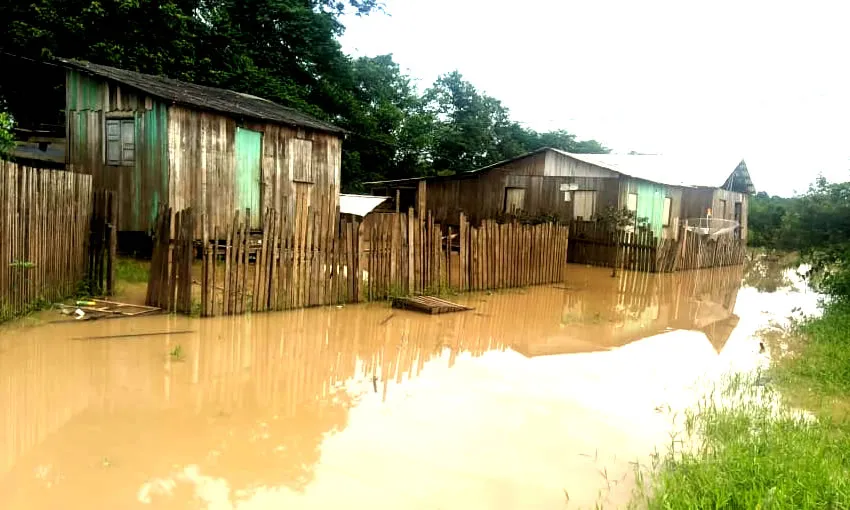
(155, 140)
(552, 183)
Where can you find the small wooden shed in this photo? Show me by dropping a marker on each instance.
(155, 140)
(552, 183)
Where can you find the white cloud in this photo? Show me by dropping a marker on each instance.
(762, 80)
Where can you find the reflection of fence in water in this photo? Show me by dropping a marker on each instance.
(306, 365)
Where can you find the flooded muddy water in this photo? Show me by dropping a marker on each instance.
(535, 396)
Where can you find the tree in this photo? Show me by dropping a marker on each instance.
(390, 131)
(474, 130)
(282, 50)
(765, 218)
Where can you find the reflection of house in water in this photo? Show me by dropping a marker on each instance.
(603, 312)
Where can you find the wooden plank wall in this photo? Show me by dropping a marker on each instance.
(44, 223)
(387, 254)
(300, 168)
(142, 187)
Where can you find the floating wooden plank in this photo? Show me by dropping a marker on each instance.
(135, 335)
(428, 304)
(102, 306)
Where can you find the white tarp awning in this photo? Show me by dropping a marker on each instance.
(359, 205)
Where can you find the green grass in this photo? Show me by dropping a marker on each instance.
(749, 453)
(819, 361)
(131, 270)
(177, 354)
(31, 308)
(761, 453)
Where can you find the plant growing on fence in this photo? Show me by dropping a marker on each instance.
(617, 221)
(525, 218)
(7, 139)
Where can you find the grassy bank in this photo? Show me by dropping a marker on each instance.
(762, 452)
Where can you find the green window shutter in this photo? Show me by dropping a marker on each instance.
(128, 142)
(113, 142)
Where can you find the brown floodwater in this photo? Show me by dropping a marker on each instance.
(536, 395)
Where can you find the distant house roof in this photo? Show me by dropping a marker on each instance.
(359, 205)
(207, 98)
(701, 170)
(695, 171)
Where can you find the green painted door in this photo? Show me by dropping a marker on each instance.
(249, 150)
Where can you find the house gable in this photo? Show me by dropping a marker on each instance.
(739, 180)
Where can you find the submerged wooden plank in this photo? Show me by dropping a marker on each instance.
(428, 304)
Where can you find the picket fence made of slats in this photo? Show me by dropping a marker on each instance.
(593, 243)
(44, 225)
(285, 265)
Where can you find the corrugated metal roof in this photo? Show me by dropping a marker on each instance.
(700, 170)
(207, 98)
(697, 170)
(359, 205)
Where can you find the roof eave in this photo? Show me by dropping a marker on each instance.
(318, 125)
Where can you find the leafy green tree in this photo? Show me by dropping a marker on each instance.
(389, 130)
(283, 50)
(765, 220)
(474, 130)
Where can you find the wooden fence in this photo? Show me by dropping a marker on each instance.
(103, 243)
(44, 224)
(384, 255)
(700, 251)
(594, 244)
(170, 279)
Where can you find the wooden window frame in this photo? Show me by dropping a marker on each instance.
(628, 196)
(120, 119)
(573, 200)
(667, 219)
(505, 200)
(308, 175)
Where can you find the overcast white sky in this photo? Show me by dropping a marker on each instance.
(764, 81)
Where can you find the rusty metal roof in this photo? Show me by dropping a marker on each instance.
(206, 98)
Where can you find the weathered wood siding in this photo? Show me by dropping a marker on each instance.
(140, 187)
(482, 195)
(297, 167)
(543, 176)
(559, 165)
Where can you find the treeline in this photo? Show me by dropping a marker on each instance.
(817, 224)
(286, 51)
